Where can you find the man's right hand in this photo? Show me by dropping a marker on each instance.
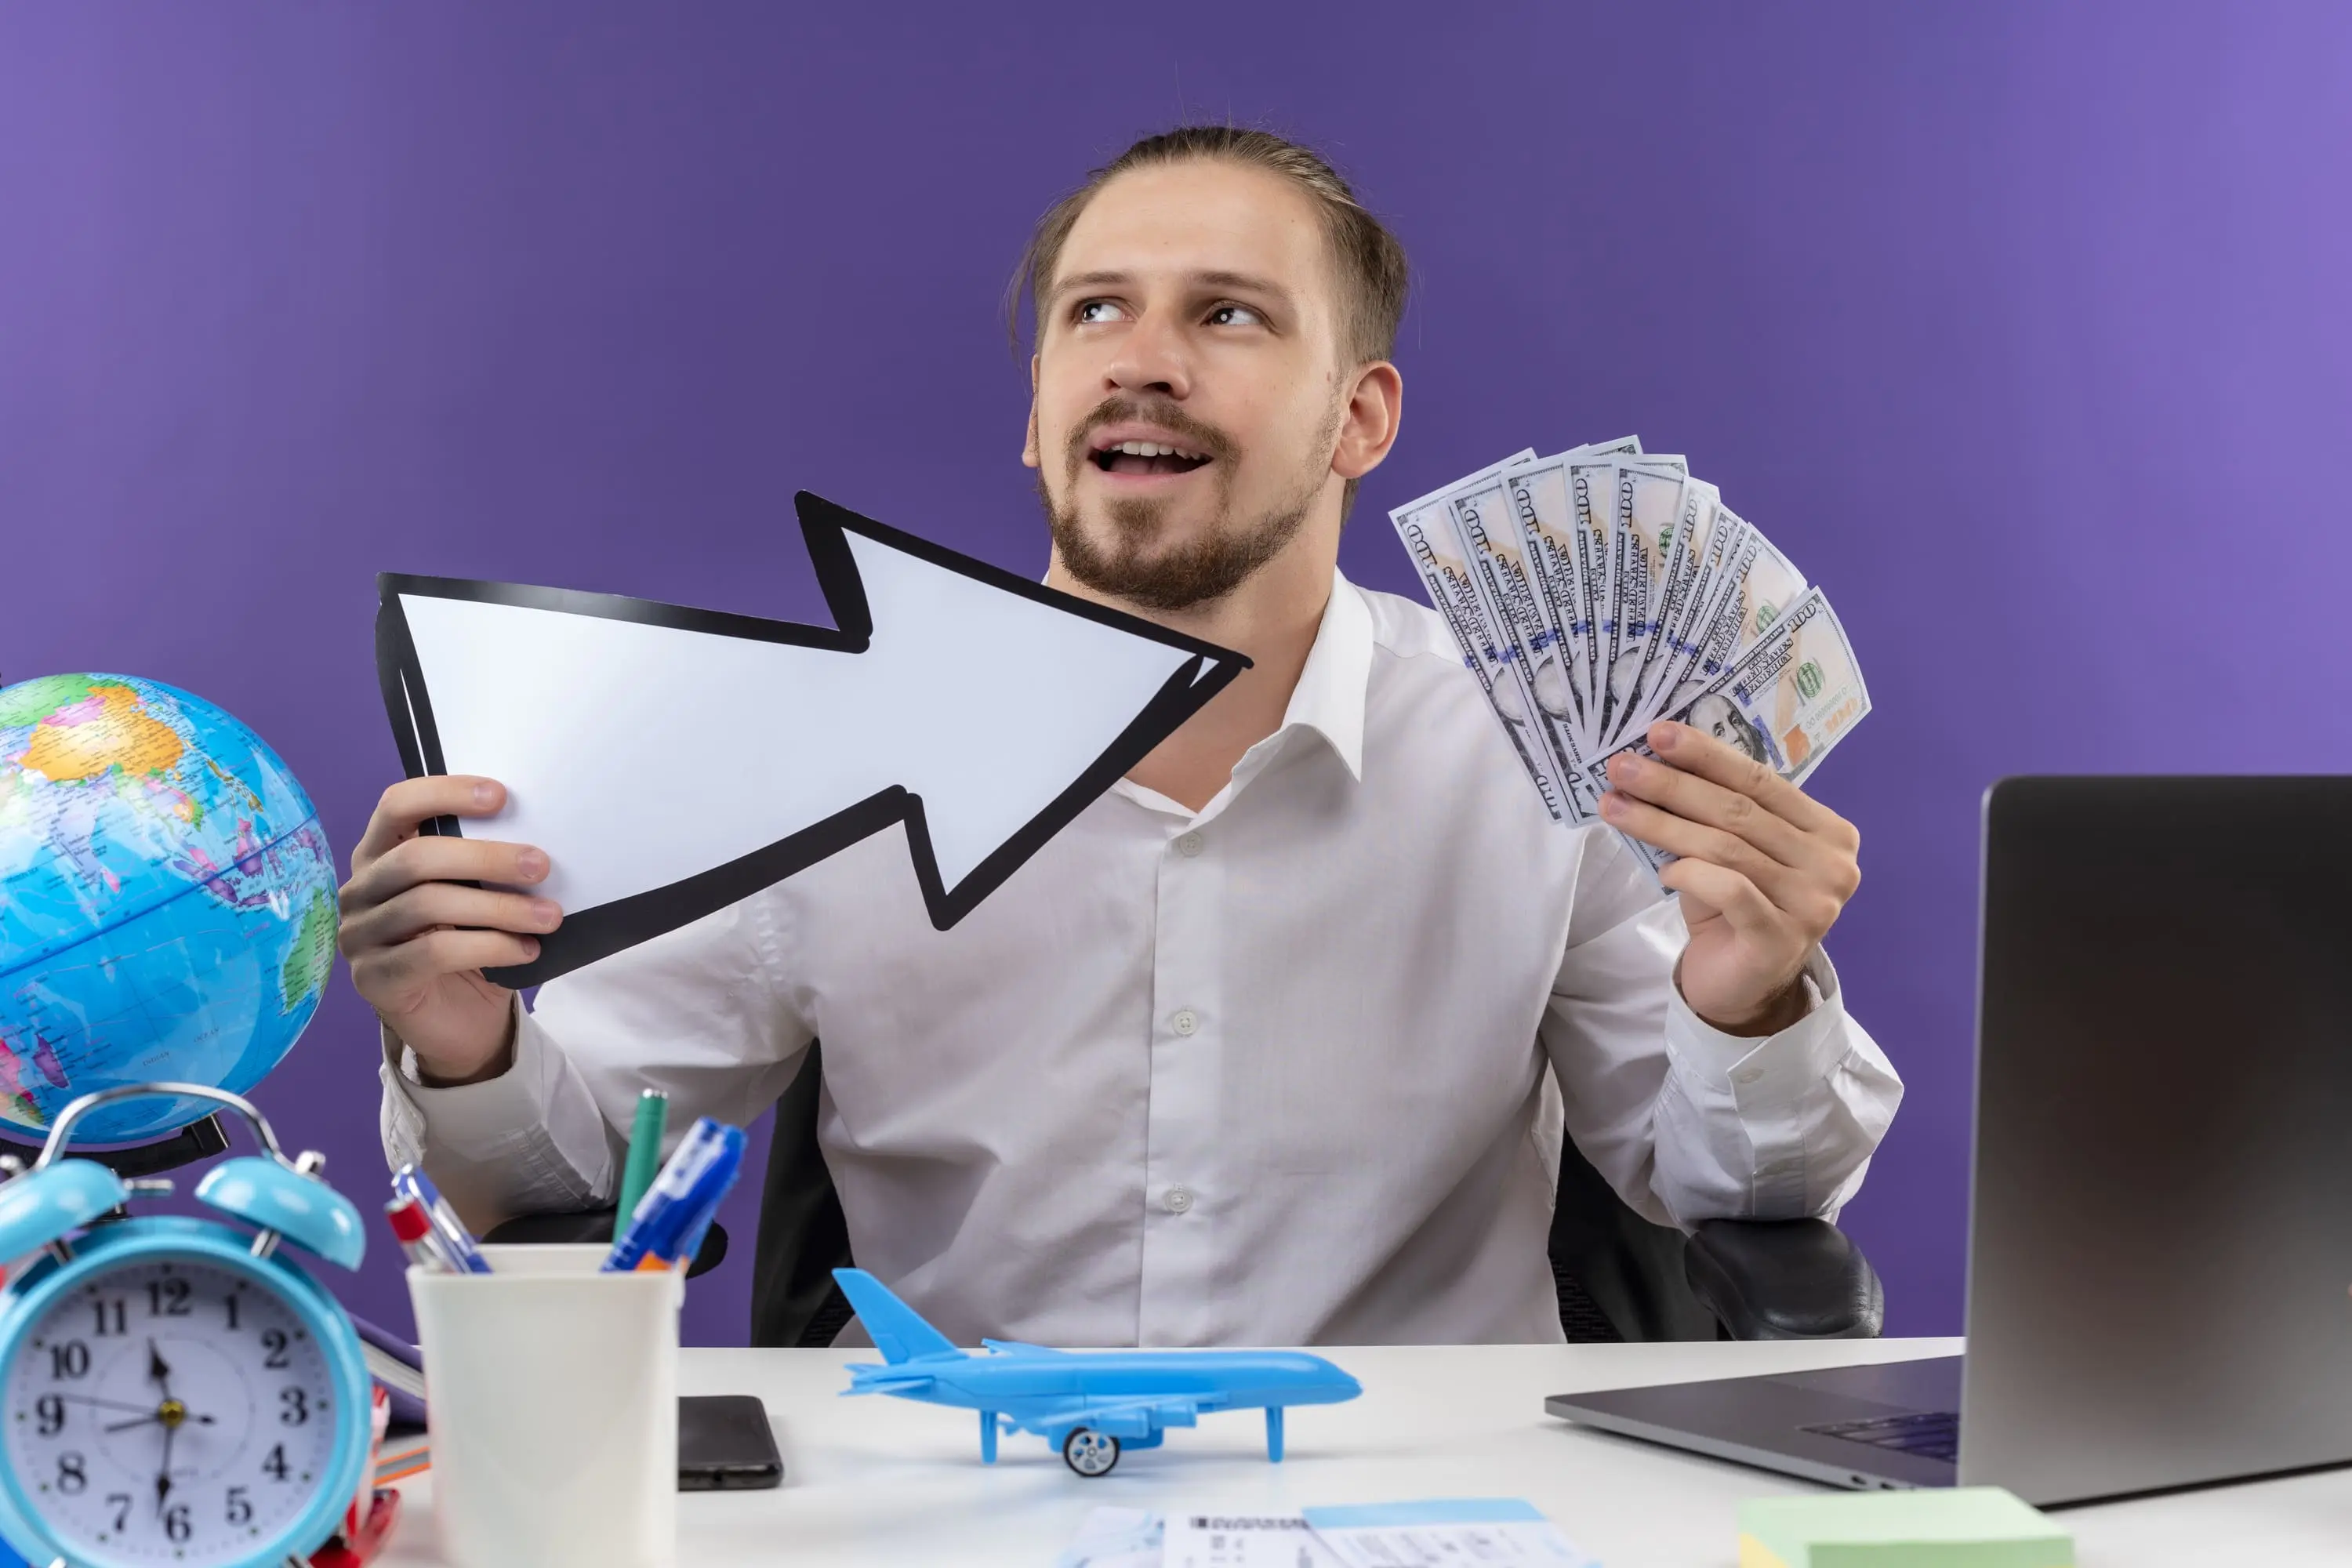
(417, 939)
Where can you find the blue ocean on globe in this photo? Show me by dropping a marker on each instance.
(167, 904)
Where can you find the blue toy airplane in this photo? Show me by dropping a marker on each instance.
(1087, 1404)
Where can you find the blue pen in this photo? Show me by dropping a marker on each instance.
(690, 1244)
(654, 1227)
(408, 1182)
(677, 1208)
(702, 1206)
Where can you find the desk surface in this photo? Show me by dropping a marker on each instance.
(885, 1483)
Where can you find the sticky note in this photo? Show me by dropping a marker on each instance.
(1962, 1527)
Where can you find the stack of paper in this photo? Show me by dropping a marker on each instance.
(1596, 591)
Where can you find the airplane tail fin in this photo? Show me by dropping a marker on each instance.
(897, 1331)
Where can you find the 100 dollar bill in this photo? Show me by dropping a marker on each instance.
(1531, 643)
(1756, 585)
(1682, 597)
(1795, 694)
(1447, 576)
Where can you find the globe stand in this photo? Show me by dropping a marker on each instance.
(197, 1141)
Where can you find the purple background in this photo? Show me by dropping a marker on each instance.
(2022, 327)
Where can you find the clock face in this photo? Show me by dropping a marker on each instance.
(170, 1411)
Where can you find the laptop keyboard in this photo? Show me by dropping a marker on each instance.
(1930, 1433)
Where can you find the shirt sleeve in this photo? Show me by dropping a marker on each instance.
(1685, 1121)
(699, 1012)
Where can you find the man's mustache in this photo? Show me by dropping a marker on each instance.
(1163, 412)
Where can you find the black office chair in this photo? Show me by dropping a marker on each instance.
(1619, 1276)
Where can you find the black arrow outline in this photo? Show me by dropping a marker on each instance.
(593, 933)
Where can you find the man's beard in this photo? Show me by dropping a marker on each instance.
(1196, 573)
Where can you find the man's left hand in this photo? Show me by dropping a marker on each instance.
(1764, 872)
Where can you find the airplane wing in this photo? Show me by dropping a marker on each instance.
(1132, 1418)
(1023, 1346)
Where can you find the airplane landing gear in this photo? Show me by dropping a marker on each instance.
(1089, 1452)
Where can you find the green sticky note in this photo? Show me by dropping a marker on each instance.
(1964, 1527)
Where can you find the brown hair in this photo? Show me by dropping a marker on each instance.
(1368, 261)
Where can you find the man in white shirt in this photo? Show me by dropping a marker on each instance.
(1273, 1045)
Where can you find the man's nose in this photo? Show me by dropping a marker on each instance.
(1152, 358)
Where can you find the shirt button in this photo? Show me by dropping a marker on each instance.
(1186, 1022)
(1189, 846)
(1177, 1199)
(1747, 1075)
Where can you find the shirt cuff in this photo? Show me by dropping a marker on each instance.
(401, 1123)
(474, 1120)
(529, 1140)
(1759, 1072)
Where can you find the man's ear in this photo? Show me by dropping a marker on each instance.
(1030, 456)
(1369, 424)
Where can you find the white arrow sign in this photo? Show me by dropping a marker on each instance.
(672, 761)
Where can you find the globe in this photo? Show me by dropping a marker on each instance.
(167, 904)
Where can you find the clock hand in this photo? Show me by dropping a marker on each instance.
(164, 1475)
(170, 1413)
(153, 1419)
(106, 1403)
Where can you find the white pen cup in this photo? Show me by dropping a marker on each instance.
(551, 1392)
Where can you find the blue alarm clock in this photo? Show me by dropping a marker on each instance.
(173, 1391)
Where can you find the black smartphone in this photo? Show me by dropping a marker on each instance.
(724, 1444)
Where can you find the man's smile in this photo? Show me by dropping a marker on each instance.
(1144, 451)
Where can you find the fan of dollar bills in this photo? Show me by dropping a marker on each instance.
(1599, 591)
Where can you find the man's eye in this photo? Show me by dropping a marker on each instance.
(1235, 316)
(1095, 312)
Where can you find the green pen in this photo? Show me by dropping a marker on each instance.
(645, 1154)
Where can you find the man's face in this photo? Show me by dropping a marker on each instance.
(1716, 716)
(1189, 392)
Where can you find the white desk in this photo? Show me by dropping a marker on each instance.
(897, 1485)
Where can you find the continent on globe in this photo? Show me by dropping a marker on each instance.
(167, 901)
(104, 727)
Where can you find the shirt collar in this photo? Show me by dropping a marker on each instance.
(1328, 700)
(1329, 696)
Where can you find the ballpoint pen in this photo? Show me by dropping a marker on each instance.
(413, 1229)
(408, 1182)
(678, 1208)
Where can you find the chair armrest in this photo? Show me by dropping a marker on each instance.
(1784, 1279)
(594, 1227)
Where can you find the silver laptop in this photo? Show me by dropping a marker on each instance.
(2160, 1234)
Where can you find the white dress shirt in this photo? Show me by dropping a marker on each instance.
(1288, 1069)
